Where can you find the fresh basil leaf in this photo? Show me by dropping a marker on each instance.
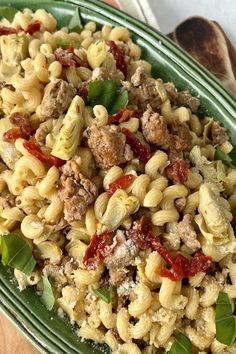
(227, 159)
(108, 94)
(106, 294)
(65, 44)
(181, 345)
(47, 298)
(224, 320)
(75, 24)
(8, 12)
(16, 253)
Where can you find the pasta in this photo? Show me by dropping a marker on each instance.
(110, 177)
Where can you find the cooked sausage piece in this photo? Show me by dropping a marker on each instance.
(181, 138)
(154, 128)
(182, 98)
(123, 255)
(76, 191)
(143, 90)
(219, 134)
(187, 233)
(108, 146)
(57, 98)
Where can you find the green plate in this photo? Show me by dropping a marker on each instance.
(48, 332)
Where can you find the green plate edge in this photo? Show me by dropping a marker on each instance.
(46, 330)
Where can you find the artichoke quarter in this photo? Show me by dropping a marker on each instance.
(70, 134)
(217, 236)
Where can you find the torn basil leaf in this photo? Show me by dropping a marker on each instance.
(16, 253)
(225, 320)
(108, 94)
(8, 12)
(227, 159)
(47, 298)
(106, 294)
(181, 345)
(75, 24)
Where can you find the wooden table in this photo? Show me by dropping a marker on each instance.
(12, 341)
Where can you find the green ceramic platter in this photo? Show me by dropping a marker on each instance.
(49, 333)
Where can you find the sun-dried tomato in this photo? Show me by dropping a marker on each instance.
(158, 247)
(139, 233)
(199, 263)
(118, 56)
(7, 30)
(11, 135)
(22, 130)
(139, 149)
(182, 267)
(121, 183)
(66, 58)
(33, 27)
(35, 150)
(177, 171)
(70, 49)
(22, 120)
(100, 247)
(83, 93)
(123, 115)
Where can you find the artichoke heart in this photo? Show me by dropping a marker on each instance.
(8, 152)
(14, 49)
(70, 134)
(97, 53)
(119, 208)
(212, 209)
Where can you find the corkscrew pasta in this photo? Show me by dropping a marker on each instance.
(109, 175)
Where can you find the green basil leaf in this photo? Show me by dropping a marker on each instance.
(106, 294)
(16, 253)
(75, 24)
(224, 320)
(47, 298)
(227, 159)
(8, 12)
(65, 44)
(108, 94)
(181, 345)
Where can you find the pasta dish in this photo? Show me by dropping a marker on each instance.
(118, 200)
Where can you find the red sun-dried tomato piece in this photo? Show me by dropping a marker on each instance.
(177, 171)
(65, 58)
(123, 115)
(22, 130)
(139, 149)
(36, 151)
(7, 30)
(139, 233)
(33, 27)
(118, 56)
(121, 183)
(100, 247)
(11, 135)
(158, 247)
(199, 263)
(182, 267)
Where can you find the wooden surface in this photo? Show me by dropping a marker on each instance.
(12, 341)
